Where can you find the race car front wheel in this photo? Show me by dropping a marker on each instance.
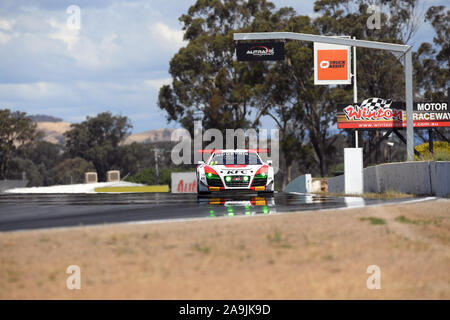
(200, 193)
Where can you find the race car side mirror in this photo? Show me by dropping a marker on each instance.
(269, 162)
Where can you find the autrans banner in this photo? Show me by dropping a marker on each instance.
(375, 113)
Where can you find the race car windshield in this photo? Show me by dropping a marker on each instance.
(235, 159)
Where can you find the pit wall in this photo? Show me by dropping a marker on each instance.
(418, 177)
(302, 184)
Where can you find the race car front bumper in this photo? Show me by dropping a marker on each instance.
(268, 188)
(235, 183)
(215, 189)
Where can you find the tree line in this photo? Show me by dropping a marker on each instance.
(92, 145)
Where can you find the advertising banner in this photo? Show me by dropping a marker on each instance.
(267, 51)
(184, 182)
(331, 64)
(377, 113)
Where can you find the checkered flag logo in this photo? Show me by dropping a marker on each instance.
(376, 103)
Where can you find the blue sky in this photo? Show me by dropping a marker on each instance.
(116, 62)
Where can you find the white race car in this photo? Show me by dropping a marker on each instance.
(234, 169)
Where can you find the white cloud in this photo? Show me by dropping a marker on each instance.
(62, 32)
(91, 54)
(156, 84)
(7, 24)
(5, 27)
(34, 91)
(168, 37)
(4, 37)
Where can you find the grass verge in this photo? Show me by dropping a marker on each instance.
(373, 220)
(389, 194)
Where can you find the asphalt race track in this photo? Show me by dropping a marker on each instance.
(36, 211)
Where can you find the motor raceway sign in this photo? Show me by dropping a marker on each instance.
(377, 113)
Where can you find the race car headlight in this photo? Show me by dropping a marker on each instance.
(245, 178)
(228, 179)
(211, 173)
(262, 172)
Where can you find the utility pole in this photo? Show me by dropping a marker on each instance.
(355, 89)
(156, 151)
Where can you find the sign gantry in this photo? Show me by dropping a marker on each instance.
(400, 50)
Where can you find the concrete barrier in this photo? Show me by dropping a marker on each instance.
(408, 177)
(336, 184)
(302, 184)
(440, 178)
(371, 179)
(184, 182)
(418, 177)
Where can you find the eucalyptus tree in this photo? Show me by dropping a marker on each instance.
(208, 83)
(16, 132)
(97, 140)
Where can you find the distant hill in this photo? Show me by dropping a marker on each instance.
(53, 133)
(150, 136)
(44, 118)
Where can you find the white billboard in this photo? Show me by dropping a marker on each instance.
(184, 182)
